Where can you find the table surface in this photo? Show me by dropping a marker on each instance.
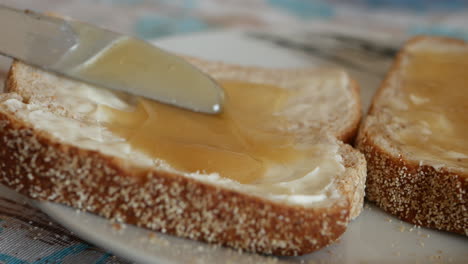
(29, 236)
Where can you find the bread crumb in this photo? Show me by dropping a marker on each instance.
(402, 228)
(421, 243)
(118, 226)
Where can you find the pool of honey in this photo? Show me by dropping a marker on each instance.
(239, 144)
(436, 88)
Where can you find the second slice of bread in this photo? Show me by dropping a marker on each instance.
(49, 151)
(417, 186)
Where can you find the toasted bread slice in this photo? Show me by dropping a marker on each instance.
(415, 138)
(50, 151)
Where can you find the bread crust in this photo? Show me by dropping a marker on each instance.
(41, 167)
(420, 195)
(348, 135)
(416, 193)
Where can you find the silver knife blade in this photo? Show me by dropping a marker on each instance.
(104, 58)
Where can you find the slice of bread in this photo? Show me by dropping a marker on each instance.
(415, 138)
(53, 148)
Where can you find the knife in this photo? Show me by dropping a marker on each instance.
(107, 59)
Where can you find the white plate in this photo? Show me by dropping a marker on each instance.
(374, 237)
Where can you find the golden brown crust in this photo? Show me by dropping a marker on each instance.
(416, 193)
(349, 133)
(41, 167)
(10, 82)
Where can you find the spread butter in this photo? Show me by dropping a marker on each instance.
(435, 91)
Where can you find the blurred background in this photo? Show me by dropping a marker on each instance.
(361, 36)
(158, 18)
